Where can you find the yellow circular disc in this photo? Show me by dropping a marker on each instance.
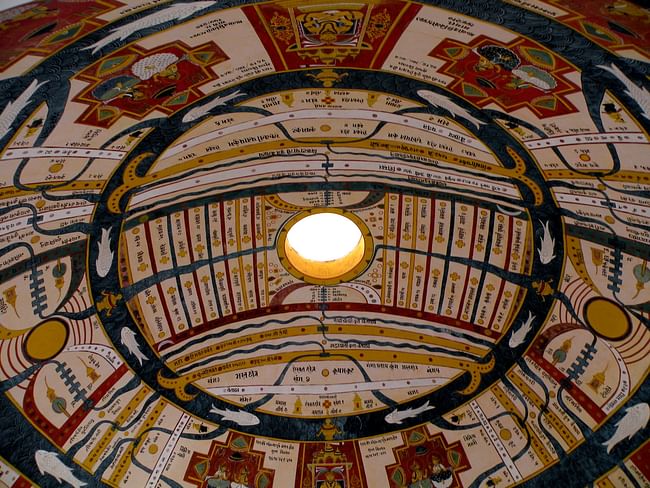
(505, 434)
(325, 128)
(607, 318)
(56, 167)
(46, 340)
(325, 372)
(153, 449)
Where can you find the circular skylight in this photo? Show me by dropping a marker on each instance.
(324, 237)
(325, 246)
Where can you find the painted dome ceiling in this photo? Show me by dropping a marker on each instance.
(489, 328)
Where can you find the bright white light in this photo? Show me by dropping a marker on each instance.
(324, 237)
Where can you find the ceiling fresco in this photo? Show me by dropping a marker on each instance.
(491, 327)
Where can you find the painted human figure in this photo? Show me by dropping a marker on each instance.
(330, 481)
(419, 478)
(441, 476)
(241, 479)
(328, 430)
(220, 478)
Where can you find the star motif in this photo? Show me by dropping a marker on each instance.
(143, 267)
(151, 300)
(171, 290)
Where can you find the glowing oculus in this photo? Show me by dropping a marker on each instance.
(324, 237)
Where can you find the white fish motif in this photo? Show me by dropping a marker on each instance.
(239, 417)
(546, 246)
(49, 462)
(13, 108)
(128, 341)
(520, 334)
(202, 110)
(640, 95)
(396, 416)
(443, 102)
(635, 419)
(176, 11)
(105, 257)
